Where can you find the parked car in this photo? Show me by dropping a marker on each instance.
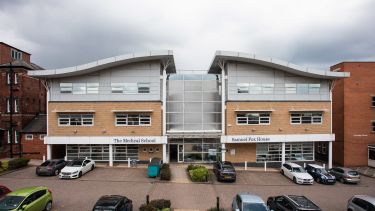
(291, 202)
(113, 203)
(76, 168)
(345, 175)
(4, 191)
(320, 174)
(28, 199)
(50, 167)
(224, 171)
(361, 203)
(248, 202)
(296, 173)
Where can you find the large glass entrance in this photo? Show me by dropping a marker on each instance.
(194, 150)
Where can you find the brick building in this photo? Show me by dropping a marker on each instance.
(245, 108)
(354, 113)
(29, 97)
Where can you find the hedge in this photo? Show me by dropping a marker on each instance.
(165, 172)
(156, 205)
(17, 163)
(198, 173)
(215, 209)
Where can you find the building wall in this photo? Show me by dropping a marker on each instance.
(6, 56)
(104, 119)
(280, 118)
(33, 149)
(130, 73)
(145, 156)
(257, 74)
(243, 152)
(357, 112)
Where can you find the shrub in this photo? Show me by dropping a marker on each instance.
(214, 209)
(199, 174)
(160, 203)
(145, 207)
(165, 174)
(18, 163)
(164, 166)
(193, 167)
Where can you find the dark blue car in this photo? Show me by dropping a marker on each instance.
(320, 174)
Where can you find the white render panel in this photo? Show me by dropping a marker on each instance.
(277, 138)
(105, 140)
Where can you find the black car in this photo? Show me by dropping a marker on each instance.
(113, 203)
(50, 167)
(224, 171)
(320, 174)
(291, 202)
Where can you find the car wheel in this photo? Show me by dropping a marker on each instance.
(282, 172)
(48, 206)
(80, 174)
(56, 172)
(342, 180)
(294, 180)
(318, 180)
(92, 167)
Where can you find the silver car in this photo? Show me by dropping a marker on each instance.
(248, 202)
(345, 175)
(361, 203)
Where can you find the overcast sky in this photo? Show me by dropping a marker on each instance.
(316, 33)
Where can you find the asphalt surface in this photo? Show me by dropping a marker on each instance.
(81, 194)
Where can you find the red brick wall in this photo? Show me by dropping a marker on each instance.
(356, 115)
(6, 56)
(34, 149)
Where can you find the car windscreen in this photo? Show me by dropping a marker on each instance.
(298, 170)
(353, 173)
(75, 163)
(100, 208)
(227, 167)
(254, 207)
(321, 171)
(47, 163)
(10, 202)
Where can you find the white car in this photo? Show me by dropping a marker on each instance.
(296, 173)
(76, 168)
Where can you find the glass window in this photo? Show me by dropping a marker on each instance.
(16, 136)
(117, 87)
(270, 152)
(299, 151)
(79, 88)
(267, 88)
(8, 105)
(8, 78)
(143, 87)
(76, 120)
(130, 88)
(373, 101)
(133, 119)
(290, 88)
(373, 126)
(66, 87)
(255, 88)
(16, 105)
(242, 88)
(15, 78)
(253, 119)
(92, 88)
(314, 88)
(306, 118)
(29, 137)
(302, 88)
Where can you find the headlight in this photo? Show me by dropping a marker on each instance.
(75, 172)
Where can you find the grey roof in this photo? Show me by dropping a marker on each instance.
(273, 63)
(250, 198)
(37, 125)
(108, 63)
(22, 64)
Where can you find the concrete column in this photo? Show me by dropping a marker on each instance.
(283, 153)
(330, 154)
(165, 159)
(49, 151)
(223, 149)
(110, 155)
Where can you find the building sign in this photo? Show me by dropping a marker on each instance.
(277, 138)
(105, 140)
(136, 140)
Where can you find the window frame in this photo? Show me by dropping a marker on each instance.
(260, 118)
(15, 78)
(125, 118)
(69, 117)
(27, 137)
(312, 117)
(68, 91)
(373, 126)
(16, 105)
(42, 136)
(373, 101)
(15, 54)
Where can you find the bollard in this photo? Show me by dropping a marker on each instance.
(128, 162)
(304, 165)
(44, 158)
(324, 165)
(265, 166)
(245, 165)
(217, 203)
(66, 158)
(147, 199)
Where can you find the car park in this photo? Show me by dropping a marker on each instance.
(361, 203)
(345, 175)
(50, 167)
(76, 168)
(296, 173)
(4, 190)
(291, 202)
(224, 171)
(28, 199)
(248, 202)
(113, 203)
(320, 174)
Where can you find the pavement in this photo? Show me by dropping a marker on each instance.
(81, 194)
(366, 170)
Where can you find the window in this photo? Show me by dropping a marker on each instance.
(41, 136)
(319, 147)
(270, 152)
(143, 87)
(29, 137)
(76, 120)
(16, 54)
(255, 88)
(302, 89)
(15, 78)
(92, 88)
(253, 119)
(8, 78)
(314, 88)
(324, 148)
(8, 105)
(267, 88)
(373, 101)
(299, 151)
(306, 118)
(9, 134)
(373, 126)
(133, 119)
(130, 88)
(16, 136)
(242, 88)
(79, 88)
(16, 105)
(66, 87)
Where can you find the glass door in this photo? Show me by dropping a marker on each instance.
(180, 153)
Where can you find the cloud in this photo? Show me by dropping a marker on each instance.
(66, 33)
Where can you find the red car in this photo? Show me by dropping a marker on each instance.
(4, 191)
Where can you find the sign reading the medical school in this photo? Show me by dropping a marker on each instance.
(137, 140)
